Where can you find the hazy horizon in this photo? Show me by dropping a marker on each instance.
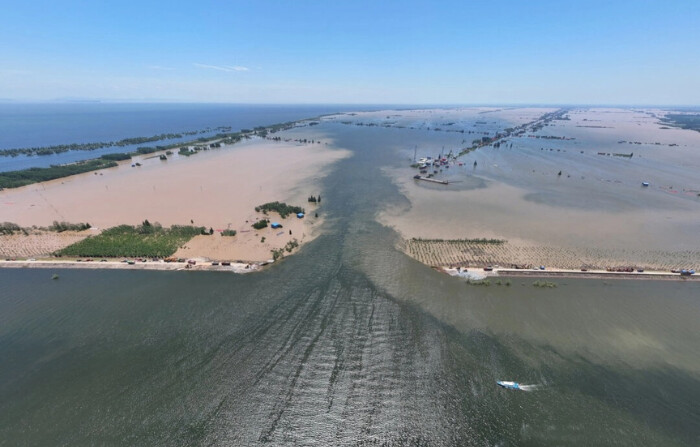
(412, 52)
(348, 104)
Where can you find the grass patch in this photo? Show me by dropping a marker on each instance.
(479, 282)
(544, 284)
(228, 233)
(145, 240)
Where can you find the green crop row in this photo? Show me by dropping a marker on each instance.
(133, 241)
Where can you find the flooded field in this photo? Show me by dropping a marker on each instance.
(352, 342)
(568, 185)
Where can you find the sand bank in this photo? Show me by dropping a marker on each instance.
(217, 189)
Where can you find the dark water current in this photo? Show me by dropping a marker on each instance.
(348, 342)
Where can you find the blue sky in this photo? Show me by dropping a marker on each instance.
(398, 52)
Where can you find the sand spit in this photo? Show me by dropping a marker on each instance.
(217, 189)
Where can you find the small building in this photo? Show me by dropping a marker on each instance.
(300, 215)
(275, 225)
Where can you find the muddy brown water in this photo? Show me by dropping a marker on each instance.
(348, 342)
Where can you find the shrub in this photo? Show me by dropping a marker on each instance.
(281, 208)
(60, 227)
(116, 157)
(9, 228)
(259, 225)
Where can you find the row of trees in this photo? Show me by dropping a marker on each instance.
(15, 179)
(59, 148)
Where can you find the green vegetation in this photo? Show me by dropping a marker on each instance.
(279, 252)
(487, 282)
(60, 227)
(281, 208)
(15, 179)
(259, 225)
(116, 157)
(146, 150)
(313, 199)
(228, 233)
(145, 240)
(544, 284)
(9, 228)
(291, 245)
(684, 121)
(57, 149)
(479, 282)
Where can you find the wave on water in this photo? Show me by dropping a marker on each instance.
(531, 387)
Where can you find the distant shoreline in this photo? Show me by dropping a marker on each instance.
(30, 176)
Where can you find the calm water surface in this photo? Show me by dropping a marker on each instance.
(348, 342)
(41, 124)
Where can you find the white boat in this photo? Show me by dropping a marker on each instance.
(508, 385)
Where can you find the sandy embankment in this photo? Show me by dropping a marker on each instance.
(217, 189)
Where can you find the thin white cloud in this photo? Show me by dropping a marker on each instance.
(158, 67)
(228, 68)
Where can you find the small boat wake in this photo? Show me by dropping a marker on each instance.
(516, 386)
(531, 387)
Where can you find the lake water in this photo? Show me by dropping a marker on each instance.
(36, 125)
(348, 342)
